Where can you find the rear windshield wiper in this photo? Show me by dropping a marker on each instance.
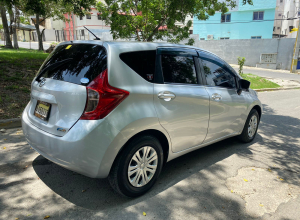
(52, 67)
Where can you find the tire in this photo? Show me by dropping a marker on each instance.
(134, 185)
(245, 136)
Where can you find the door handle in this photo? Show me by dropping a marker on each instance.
(216, 97)
(167, 96)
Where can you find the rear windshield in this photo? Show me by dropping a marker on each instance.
(73, 62)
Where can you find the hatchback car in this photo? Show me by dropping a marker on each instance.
(122, 110)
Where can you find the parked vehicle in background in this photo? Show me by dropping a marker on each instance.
(122, 110)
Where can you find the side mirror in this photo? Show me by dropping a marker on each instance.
(243, 84)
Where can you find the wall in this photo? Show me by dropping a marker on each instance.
(229, 50)
(242, 25)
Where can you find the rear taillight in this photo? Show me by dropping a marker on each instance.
(102, 98)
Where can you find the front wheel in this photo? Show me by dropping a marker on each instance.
(137, 168)
(250, 128)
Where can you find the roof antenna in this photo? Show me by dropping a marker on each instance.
(96, 38)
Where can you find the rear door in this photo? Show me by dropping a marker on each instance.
(227, 108)
(181, 102)
(58, 93)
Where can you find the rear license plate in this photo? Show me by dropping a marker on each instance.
(42, 110)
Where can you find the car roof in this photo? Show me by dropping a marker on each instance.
(130, 45)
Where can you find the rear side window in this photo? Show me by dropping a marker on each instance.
(178, 69)
(73, 62)
(142, 62)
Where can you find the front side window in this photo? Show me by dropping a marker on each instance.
(216, 73)
(178, 69)
(226, 18)
(258, 15)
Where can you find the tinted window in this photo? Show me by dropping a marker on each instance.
(142, 62)
(72, 62)
(216, 73)
(178, 69)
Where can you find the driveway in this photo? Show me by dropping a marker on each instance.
(31, 45)
(227, 180)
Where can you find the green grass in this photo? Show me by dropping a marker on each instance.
(12, 55)
(17, 69)
(258, 82)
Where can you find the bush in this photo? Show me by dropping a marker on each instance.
(241, 62)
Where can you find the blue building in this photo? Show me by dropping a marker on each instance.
(242, 22)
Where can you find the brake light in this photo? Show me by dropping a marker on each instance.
(102, 98)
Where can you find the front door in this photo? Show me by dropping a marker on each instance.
(227, 108)
(181, 102)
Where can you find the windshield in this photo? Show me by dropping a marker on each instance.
(82, 61)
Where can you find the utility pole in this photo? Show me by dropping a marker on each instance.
(296, 51)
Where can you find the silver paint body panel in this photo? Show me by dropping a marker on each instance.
(190, 121)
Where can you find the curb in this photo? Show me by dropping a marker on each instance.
(275, 89)
(10, 123)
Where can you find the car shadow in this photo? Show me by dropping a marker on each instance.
(97, 195)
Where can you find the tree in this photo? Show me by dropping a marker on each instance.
(14, 21)
(149, 20)
(53, 8)
(5, 26)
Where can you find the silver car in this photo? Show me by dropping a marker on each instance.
(122, 110)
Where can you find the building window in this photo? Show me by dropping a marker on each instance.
(256, 37)
(291, 28)
(88, 16)
(191, 31)
(274, 28)
(224, 38)
(80, 17)
(202, 38)
(278, 28)
(99, 17)
(225, 18)
(298, 13)
(258, 15)
(281, 1)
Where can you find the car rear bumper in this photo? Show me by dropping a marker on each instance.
(81, 150)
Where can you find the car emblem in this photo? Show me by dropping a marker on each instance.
(42, 82)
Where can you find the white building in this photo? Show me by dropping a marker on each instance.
(286, 17)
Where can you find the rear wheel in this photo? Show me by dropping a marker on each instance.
(250, 128)
(137, 168)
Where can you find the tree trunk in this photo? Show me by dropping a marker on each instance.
(39, 34)
(5, 27)
(13, 28)
(73, 22)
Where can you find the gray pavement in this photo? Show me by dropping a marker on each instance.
(227, 180)
(280, 74)
(31, 45)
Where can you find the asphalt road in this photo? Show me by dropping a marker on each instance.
(227, 180)
(30, 45)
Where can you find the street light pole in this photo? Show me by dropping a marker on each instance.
(296, 52)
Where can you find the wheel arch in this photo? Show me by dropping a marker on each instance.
(258, 109)
(152, 132)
